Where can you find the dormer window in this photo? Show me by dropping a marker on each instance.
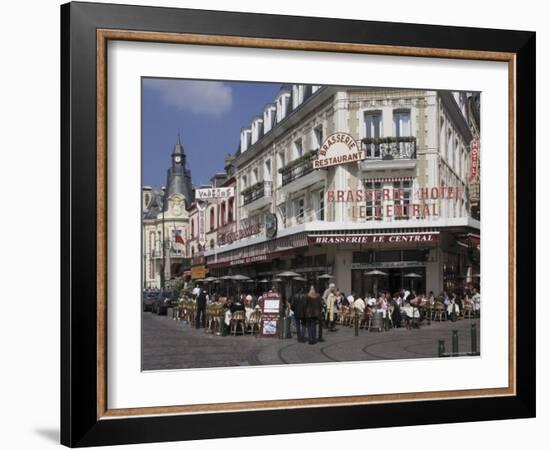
(246, 137)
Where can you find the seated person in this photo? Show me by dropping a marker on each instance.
(359, 305)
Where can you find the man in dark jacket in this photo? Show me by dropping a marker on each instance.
(201, 309)
(299, 308)
(313, 311)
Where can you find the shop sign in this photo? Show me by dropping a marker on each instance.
(387, 265)
(395, 202)
(202, 224)
(198, 272)
(474, 159)
(210, 193)
(411, 238)
(338, 148)
(232, 235)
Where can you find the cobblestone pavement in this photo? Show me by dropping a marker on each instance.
(168, 344)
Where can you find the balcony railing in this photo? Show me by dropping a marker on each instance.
(388, 148)
(256, 191)
(172, 253)
(299, 167)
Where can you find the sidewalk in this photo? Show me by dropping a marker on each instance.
(168, 344)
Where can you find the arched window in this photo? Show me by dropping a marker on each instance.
(211, 243)
(222, 214)
(212, 219)
(230, 217)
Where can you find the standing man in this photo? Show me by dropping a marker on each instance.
(201, 309)
(299, 309)
(313, 312)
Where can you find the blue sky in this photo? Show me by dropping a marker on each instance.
(209, 115)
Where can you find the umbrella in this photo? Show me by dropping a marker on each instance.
(412, 275)
(210, 279)
(239, 278)
(216, 281)
(299, 279)
(288, 273)
(251, 281)
(276, 280)
(376, 272)
(325, 276)
(227, 277)
(264, 280)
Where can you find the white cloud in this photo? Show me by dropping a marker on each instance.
(211, 98)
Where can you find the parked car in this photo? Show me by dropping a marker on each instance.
(149, 299)
(162, 302)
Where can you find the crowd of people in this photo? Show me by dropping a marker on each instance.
(310, 312)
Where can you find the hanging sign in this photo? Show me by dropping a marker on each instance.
(338, 148)
(474, 157)
(209, 193)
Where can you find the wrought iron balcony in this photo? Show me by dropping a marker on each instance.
(388, 148)
(299, 167)
(257, 191)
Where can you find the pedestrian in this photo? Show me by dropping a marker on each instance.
(331, 309)
(298, 306)
(453, 310)
(201, 309)
(196, 291)
(313, 311)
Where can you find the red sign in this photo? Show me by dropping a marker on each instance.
(474, 156)
(410, 238)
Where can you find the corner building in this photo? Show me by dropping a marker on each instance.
(402, 209)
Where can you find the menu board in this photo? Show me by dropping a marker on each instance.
(271, 307)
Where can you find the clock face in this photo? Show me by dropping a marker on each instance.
(271, 225)
(177, 159)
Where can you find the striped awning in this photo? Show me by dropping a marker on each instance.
(387, 179)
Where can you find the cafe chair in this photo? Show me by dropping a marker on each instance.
(468, 311)
(253, 325)
(439, 313)
(238, 320)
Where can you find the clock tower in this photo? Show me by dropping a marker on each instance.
(178, 177)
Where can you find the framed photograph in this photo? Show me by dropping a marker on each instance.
(277, 224)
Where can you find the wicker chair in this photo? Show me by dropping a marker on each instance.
(345, 316)
(468, 310)
(365, 321)
(238, 319)
(439, 311)
(253, 324)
